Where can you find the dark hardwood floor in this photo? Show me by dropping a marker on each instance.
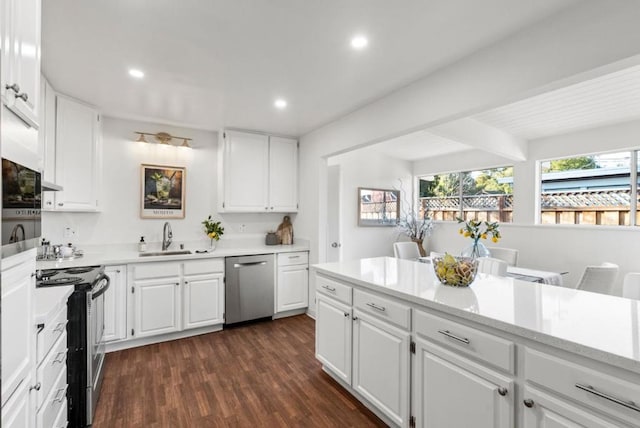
(263, 374)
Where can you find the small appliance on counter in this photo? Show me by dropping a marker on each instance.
(272, 239)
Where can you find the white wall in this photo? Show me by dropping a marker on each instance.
(365, 168)
(119, 221)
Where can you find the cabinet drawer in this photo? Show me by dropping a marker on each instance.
(593, 388)
(155, 270)
(337, 290)
(383, 308)
(297, 258)
(51, 332)
(493, 350)
(198, 267)
(48, 372)
(54, 402)
(61, 420)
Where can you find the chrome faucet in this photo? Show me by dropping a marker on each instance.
(167, 235)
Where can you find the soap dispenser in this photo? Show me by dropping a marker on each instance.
(142, 246)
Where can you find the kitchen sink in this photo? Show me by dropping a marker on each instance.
(165, 253)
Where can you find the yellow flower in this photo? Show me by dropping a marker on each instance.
(461, 231)
(494, 239)
(467, 234)
(483, 236)
(211, 235)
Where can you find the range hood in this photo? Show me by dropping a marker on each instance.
(48, 186)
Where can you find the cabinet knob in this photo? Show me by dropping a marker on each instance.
(186, 282)
(37, 387)
(355, 318)
(266, 208)
(346, 314)
(271, 208)
(15, 87)
(502, 391)
(177, 283)
(48, 202)
(23, 96)
(528, 402)
(60, 204)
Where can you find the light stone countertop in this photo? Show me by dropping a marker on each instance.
(128, 253)
(602, 327)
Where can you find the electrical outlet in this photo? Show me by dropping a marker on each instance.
(70, 233)
(242, 227)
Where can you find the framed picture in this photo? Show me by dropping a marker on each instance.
(163, 191)
(378, 207)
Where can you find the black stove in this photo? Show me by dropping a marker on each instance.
(82, 277)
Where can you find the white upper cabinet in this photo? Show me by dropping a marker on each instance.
(77, 157)
(20, 84)
(259, 173)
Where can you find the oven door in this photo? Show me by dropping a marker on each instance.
(95, 343)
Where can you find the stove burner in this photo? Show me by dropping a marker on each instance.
(77, 270)
(46, 273)
(67, 280)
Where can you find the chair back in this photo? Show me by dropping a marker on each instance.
(492, 266)
(406, 250)
(631, 286)
(598, 279)
(509, 255)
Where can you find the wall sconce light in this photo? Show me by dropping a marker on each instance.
(163, 138)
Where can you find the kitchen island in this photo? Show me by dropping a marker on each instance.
(499, 353)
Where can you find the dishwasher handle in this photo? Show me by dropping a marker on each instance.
(238, 265)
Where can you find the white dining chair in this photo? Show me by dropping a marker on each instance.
(492, 266)
(406, 250)
(599, 279)
(509, 255)
(631, 286)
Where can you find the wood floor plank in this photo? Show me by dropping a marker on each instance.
(257, 375)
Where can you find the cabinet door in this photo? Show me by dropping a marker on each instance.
(381, 366)
(203, 300)
(157, 307)
(333, 336)
(548, 411)
(283, 175)
(293, 287)
(21, 43)
(18, 330)
(76, 167)
(452, 391)
(19, 411)
(115, 304)
(246, 172)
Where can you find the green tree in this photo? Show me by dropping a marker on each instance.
(570, 164)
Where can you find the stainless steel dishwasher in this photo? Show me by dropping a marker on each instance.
(249, 288)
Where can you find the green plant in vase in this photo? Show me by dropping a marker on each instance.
(477, 230)
(214, 231)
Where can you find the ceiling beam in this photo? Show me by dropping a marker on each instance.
(483, 137)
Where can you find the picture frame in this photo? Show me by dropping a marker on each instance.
(163, 191)
(378, 207)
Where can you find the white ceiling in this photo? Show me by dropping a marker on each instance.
(217, 63)
(418, 145)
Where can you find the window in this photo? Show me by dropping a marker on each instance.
(378, 207)
(596, 189)
(482, 195)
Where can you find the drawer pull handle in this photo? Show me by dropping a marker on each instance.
(59, 399)
(453, 336)
(294, 257)
(326, 287)
(628, 404)
(528, 402)
(37, 387)
(59, 327)
(376, 307)
(59, 355)
(502, 391)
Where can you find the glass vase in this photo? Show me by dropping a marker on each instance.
(475, 250)
(212, 244)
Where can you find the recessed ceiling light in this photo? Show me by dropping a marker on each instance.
(138, 74)
(359, 42)
(280, 103)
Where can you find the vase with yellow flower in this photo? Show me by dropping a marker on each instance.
(477, 230)
(214, 231)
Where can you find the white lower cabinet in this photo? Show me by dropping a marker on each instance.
(174, 296)
(17, 411)
(454, 392)
(381, 365)
(292, 289)
(203, 300)
(157, 306)
(115, 304)
(333, 336)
